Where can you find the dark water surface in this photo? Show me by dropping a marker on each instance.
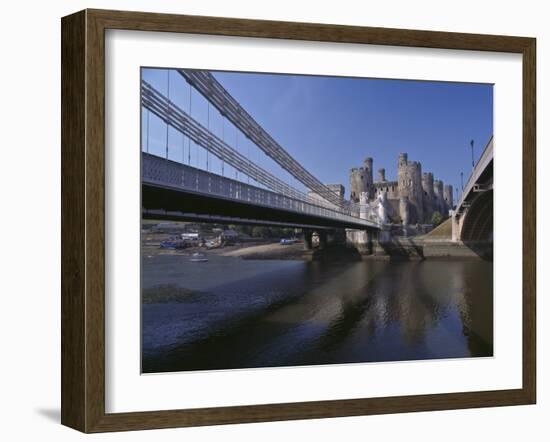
(247, 313)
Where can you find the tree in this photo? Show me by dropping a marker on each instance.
(436, 218)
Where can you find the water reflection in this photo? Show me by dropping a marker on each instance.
(297, 313)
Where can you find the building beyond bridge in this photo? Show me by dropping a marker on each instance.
(412, 199)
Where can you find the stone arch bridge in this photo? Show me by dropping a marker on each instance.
(472, 218)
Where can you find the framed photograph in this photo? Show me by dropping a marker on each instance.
(268, 220)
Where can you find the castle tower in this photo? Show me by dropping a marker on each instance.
(416, 193)
(402, 186)
(429, 197)
(338, 189)
(402, 161)
(448, 196)
(401, 175)
(439, 199)
(367, 164)
(381, 175)
(409, 184)
(404, 212)
(357, 183)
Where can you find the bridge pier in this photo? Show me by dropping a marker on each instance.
(308, 239)
(455, 226)
(362, 240)
(369, 245)
(322, 239)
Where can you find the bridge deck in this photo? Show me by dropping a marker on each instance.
(481, 166)
(176, 177)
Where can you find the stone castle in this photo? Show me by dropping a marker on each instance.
(412, 199)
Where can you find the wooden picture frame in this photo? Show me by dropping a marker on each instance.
(83, 219)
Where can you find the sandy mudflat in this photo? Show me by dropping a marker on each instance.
(267, 251)
(274, 250)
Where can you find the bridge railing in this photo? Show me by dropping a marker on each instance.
(482, 162)
(167, 173)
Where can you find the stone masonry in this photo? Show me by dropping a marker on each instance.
(414, 197)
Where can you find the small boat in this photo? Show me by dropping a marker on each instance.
(213, 244)
(287, 241)
(173, 244)
(198, 257)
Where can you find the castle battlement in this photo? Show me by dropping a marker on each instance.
(414, 194)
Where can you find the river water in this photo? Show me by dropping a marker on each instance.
(268, 313)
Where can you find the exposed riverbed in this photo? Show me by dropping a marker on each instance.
(235, 313)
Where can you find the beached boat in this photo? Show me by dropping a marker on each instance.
(288, 241)
(198, 257)
(173, 244)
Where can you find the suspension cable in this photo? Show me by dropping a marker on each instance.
(167, 125)
(223, 138)
(213, 91)
(189, 149)
(237, 149)
(147, 142)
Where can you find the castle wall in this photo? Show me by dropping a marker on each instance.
(361, 180)
(429, 197)
(393, 209)
(367, 164)
(338, 190)
(439, 199)
(409, 184)
(357, 183)
(402, 179)
(414, 196)
(404, 210)
(390, 187)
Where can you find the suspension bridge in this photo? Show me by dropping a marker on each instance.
(177, 190)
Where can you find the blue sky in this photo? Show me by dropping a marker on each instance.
(330, 124)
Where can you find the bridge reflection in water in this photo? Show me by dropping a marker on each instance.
(287, 313)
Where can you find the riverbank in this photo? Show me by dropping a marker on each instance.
(261, 249)
(429, 248)
(267, 251)
(398, 248)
